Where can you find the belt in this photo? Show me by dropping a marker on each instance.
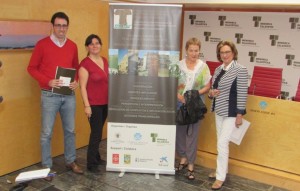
(46, 90)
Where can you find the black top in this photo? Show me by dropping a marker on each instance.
(217, 80)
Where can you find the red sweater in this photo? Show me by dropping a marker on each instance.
(97, 84)
(47, 56)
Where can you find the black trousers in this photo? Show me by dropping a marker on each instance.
(97, 120)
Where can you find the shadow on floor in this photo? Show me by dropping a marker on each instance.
(109, 181)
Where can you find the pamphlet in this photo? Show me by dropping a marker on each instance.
(67, 75)
(31, 175)
(237, 134)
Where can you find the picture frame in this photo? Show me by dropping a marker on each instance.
(22, 35)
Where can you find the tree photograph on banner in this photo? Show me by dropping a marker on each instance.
(143, 62)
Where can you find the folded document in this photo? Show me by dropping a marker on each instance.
(237, 134)
(30, 175)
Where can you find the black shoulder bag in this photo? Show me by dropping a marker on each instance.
(193, 109)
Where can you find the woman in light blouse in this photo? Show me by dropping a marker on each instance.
(194, 75)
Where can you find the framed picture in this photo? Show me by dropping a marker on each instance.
(16, 35)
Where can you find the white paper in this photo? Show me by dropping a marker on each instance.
(34, 174)
(65, 80)
(237, 134)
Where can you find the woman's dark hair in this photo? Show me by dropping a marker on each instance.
(90, 38)
(61, 15)
(232, 47)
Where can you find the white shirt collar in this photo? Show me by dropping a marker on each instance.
(56, 41)
(229, 65)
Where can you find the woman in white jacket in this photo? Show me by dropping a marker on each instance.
(229, 96)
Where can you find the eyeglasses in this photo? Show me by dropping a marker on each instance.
(61, 26)
(225, 53)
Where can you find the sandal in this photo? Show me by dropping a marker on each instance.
(180, 167)
(190, 175)
(212, 175)
(217, 185)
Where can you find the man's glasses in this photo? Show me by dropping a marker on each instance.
(60, 26)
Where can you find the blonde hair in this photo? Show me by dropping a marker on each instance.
(192, 41)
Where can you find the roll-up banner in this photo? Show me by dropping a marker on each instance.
(266, 39)
(144, 49)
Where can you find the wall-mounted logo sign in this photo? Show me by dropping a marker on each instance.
(222, 20)
(209, 38)
(293, 21)
(252, 56)
(256, 20)
(192, 18)
(273, 39)
(290, 59)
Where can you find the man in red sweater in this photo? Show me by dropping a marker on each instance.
(50, 52)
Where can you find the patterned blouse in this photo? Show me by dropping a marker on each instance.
(192, 79)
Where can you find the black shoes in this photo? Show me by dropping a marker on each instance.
(93, 169)
(101, 162)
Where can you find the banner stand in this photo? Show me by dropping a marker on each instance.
(122, 173)
(144, 49)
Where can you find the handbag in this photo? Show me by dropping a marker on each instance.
(193, 109)
(195, 104)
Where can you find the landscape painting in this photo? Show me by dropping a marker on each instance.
(16, 35)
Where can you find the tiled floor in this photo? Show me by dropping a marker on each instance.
(110, 181)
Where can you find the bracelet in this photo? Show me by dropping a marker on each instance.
(87, 106)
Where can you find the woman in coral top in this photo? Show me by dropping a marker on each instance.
(93, 79)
